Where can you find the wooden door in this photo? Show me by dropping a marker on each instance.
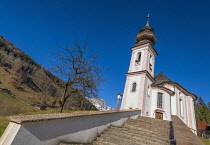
(158, 115)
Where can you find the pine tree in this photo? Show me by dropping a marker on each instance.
(209, 106)
(202, 112)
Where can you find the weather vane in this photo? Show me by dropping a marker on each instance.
(147, 23)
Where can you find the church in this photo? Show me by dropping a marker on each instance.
(156, 96)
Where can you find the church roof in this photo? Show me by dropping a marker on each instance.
(161, 78)
(146, 34)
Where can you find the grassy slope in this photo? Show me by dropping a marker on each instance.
(205, 141)
(27, 94)
(13, 106)
(3, 125)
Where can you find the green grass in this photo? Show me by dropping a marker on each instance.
(3, 125)
(205, 141)
(4, 122)
(12, 106)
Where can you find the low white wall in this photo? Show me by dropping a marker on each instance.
(84, 128)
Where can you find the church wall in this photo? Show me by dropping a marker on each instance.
(189, 112)
(173, 98)
(188, 116)
(173, 105)
(131, 99)
(193, 115)
(166, 109)
(148, 97)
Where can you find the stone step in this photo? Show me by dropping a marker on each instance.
(101, 141)
(156, 129)
(160, 122)
(126, 140)
(135, 136)
(163, 133)
(117, 140)
(140, 133)
(149, 125)
(147, 119)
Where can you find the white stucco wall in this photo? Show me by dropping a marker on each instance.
(166, 110)
(132, 99)
(188, 116)
(148, 97)
(78, 129)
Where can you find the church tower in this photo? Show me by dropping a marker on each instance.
(140, 75)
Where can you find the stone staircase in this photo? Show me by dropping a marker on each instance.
(141, 131)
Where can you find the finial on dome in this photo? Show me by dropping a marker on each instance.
(148, 16)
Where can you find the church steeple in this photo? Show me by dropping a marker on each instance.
(146, 34)
(140, 75)
(148, 16)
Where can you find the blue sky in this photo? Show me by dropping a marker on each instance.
(182, 29)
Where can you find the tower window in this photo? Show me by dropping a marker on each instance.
(137, 62)
(150, 63)
(133, 87)
(160, 100)
(139, 56)
(150, 67)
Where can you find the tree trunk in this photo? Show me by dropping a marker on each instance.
(63, 100)
(60, 109)
(82, 104)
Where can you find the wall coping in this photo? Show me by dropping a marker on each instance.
(45, 117)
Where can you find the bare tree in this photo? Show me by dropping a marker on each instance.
(78, 70)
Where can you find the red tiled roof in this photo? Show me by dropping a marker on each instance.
(202, 125)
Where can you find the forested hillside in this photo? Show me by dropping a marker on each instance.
(202, 111)
(30, 82)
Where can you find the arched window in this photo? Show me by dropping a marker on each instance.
(139, 56)
(160, 100)
(137, 62)
(133, 87)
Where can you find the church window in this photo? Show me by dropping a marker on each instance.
(150, 63)
(181, 103)
(160, 100)
(133, 87)
(137, 62)
(150, 67)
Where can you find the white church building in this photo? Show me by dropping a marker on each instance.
(156, 96)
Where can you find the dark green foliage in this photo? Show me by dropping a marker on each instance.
(202, 112)
(18, 54)
(209, 106)
(1, 57)
(51, 76)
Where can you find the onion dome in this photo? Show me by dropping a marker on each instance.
(146, 34)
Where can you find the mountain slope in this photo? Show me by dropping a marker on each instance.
(31, 83)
